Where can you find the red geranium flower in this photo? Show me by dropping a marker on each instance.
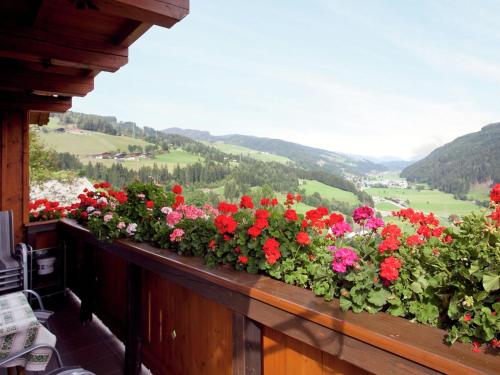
(271, 250)
(243, 259)
(177, 189)
(261, 223)
(246, 202)
(225, 224)
(467, 317)
(447, 239)
(291, 215)
(274, 202)
(414, 240)
(391, 230)
(227, 208)
(389, 243)
(495, 194)
(298, 197)
(334, 219)
(254, 231)
(265, 202)
(303, 238)
(261, 214)
(389, 268)
(211, 244)
(150, 204)
(179, 200)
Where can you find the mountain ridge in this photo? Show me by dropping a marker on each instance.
(457, 165)
(305, 156)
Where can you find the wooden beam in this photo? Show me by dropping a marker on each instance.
(43, 47)
(131, 32)
(164, 13)
(30, 102)
(38, 118)
(60, 84)
(133, 340)
(14, 170)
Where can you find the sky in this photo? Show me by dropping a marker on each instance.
(366, 77)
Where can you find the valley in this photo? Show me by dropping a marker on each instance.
(226, 167)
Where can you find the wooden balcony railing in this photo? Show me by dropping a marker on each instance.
(180, 317)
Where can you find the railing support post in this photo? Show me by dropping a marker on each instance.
(133, 339)
(247, 346)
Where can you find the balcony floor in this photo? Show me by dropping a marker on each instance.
(91, 345)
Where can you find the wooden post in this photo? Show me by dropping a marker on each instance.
(247, 346)
(133, 339)
(14, 167)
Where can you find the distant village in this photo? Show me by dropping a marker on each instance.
(123, 156)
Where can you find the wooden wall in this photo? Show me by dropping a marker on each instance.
(283, 355)
(184, 333)
(14, 164)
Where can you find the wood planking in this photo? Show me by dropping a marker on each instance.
(184, 332)
(38, 46)
(284, 355)
(24, 80)
(14, 164)
(111, 301)
(164, 13)
(31, 102)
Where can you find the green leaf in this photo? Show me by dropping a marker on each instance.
(378, 297)
(345, 304)
(491, 282)
(396, 310)
(416, 287)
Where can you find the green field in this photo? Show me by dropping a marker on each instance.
(170, 160)
(386, 206)
(240, 150)
(329, 192)
(440, 203)
(87, 143)
(480, 192)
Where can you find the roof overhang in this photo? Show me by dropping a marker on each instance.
(51, 50)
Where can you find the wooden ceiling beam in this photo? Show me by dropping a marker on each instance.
(41, 47)
(63, 85)
(164, 13)
(31, 102)
(38, 118)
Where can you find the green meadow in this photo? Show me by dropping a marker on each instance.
(442, 204)
(328, 192)
(240, 150)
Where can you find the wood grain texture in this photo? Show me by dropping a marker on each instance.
(14, 162)
(189, 334)
(284, 355)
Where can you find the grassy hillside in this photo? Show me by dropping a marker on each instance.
(458, 165)
(87, 143)
(479, 192)
(329, 192)
(170, 160)
(240, 150)
(442, 204)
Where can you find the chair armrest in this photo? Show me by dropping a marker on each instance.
(43, 315)
(36, 295)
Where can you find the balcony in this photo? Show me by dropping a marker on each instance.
(178, 316)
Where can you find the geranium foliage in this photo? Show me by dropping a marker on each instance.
(447, 277)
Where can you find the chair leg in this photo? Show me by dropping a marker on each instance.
(21, 370)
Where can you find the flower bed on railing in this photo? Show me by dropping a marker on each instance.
(446, 277)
